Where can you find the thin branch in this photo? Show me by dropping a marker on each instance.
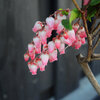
(92, 59)
(98, 33)
(96, 29)
(96, 44)
(89, 73)
(75, 3)
(93, 25)
(96, 55)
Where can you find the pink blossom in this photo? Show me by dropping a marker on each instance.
(68, 41)
(45, 47)
(42, 35)
(75, 27)
(62, 48)
(37, 41)
(82, 32)
(41, 66)
(44, 58)
(30, 47)
(32, 55)
(33, 68)
(85, 2)
(65, 35)
(83, 40)
(38, 26)
(57, 43)
(26, 57)
(38, 50)
(53, 56)
(51, 46)
(50, 22)
(71, 35)
(56, 24)
(77, 44)
(48, 31)
(60, 28)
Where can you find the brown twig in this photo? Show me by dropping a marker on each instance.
(93, 37)
(96, 44)
(96, 29)
(89, 73)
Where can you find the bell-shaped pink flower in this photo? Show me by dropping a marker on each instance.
(44, 58)
(48, 31)
(51, 46)
(37, 41)
(26, 57)
(71, 35)
(38, 50)
(40, 65)
(75, 27)
(68, 42)
(43, 38)
(60, 28)
(82, 32)
(32, 55)
(85, 2)
(77, 44)
(62, 48)
(50, 22)
(30, 47)
(53, 56)
(57, 43)
(83, 40)
(57, 22)
(38, 26)
(33, 68)
(65, 35)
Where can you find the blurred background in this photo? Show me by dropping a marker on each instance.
(62, 80)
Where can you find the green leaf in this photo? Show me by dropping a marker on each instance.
(67, 24)
(64, 12)
(94, 2)
(60, 9)
(91, 11)
(74, 14)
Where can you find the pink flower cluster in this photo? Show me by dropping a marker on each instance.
(40, 52)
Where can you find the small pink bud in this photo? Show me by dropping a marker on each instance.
(85, 2)
(30, 47)
(41, 66)
(83, 40)
(37, 41)
(65, 35)
(82, 32)
(75, 27)
(44, 58)
(33, 69)
(71, 35)
(57, 43)
(53, 56)
(38, 26)
(60, 28)
(62, 48)
(50, 22)
(48, 31)
(32, 55)
(43, 37)
(26, 57)
(51, 46)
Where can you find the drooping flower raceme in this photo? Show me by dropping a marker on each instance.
(40, 52)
